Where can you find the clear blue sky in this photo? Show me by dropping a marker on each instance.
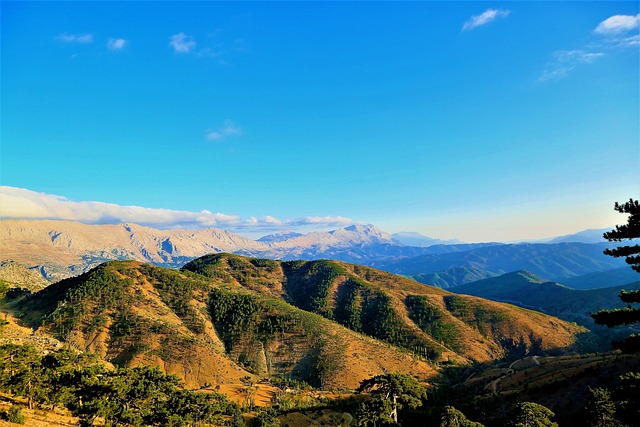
(469, 120)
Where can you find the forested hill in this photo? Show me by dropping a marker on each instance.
(206, 331)
(227, 317)
(423, 319)
(527, 290)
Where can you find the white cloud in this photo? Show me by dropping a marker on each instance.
(21, 203)
(566, 61)
(116, 44)
(76, 38)
(182, 43)
(228, 129)
(618, 24)
(484, 18)
(27, 204)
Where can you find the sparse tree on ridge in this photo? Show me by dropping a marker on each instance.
(630, 314)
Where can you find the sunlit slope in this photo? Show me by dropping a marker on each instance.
(207, 330)
(425, 320)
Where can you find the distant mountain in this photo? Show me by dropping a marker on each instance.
(419, 240)
(529, 291)
(586, 236)
(279, 237)
(60, 249)
(551, 261)
(603, 279)
(17, 275)
(453, 277)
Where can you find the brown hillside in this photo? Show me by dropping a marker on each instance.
(425, 320)
(208, 331)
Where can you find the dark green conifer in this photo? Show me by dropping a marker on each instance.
(630, 314)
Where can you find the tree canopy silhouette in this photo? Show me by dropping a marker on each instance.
(630, 314)
(628, 231)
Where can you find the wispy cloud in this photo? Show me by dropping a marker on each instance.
(618, 24)
(76, 38)
(611, 34)
(630, 41)
(484, 18)
(566, 61)
(116, 44)
(182, 43)
(228, 129)
(21, 203)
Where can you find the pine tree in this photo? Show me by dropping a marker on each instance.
(628, 231)
(530, 414)
(630, 314)
(390, 393)
(601, 409)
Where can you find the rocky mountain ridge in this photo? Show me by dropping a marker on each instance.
(60, 249)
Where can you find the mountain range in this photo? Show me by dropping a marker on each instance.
(61, 249)
(554, 262)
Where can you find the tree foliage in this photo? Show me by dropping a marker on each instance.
(628, 231)
(601, 409)
(389, 394)
(630, 314)
(451, 417)
(529, 414)
(121, 397)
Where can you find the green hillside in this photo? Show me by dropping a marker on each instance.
(452, 277)
(603, 279)
(206, 330)
(527, 290)
(424, 320)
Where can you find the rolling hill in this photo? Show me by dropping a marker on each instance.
(452, 277)
(602, 279)
(206, 331)
(423, 319)
(227, 317)
(527, 290)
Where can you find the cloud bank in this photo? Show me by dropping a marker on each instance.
(21, 203)
(484, 18)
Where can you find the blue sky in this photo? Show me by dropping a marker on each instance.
(470, 120)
